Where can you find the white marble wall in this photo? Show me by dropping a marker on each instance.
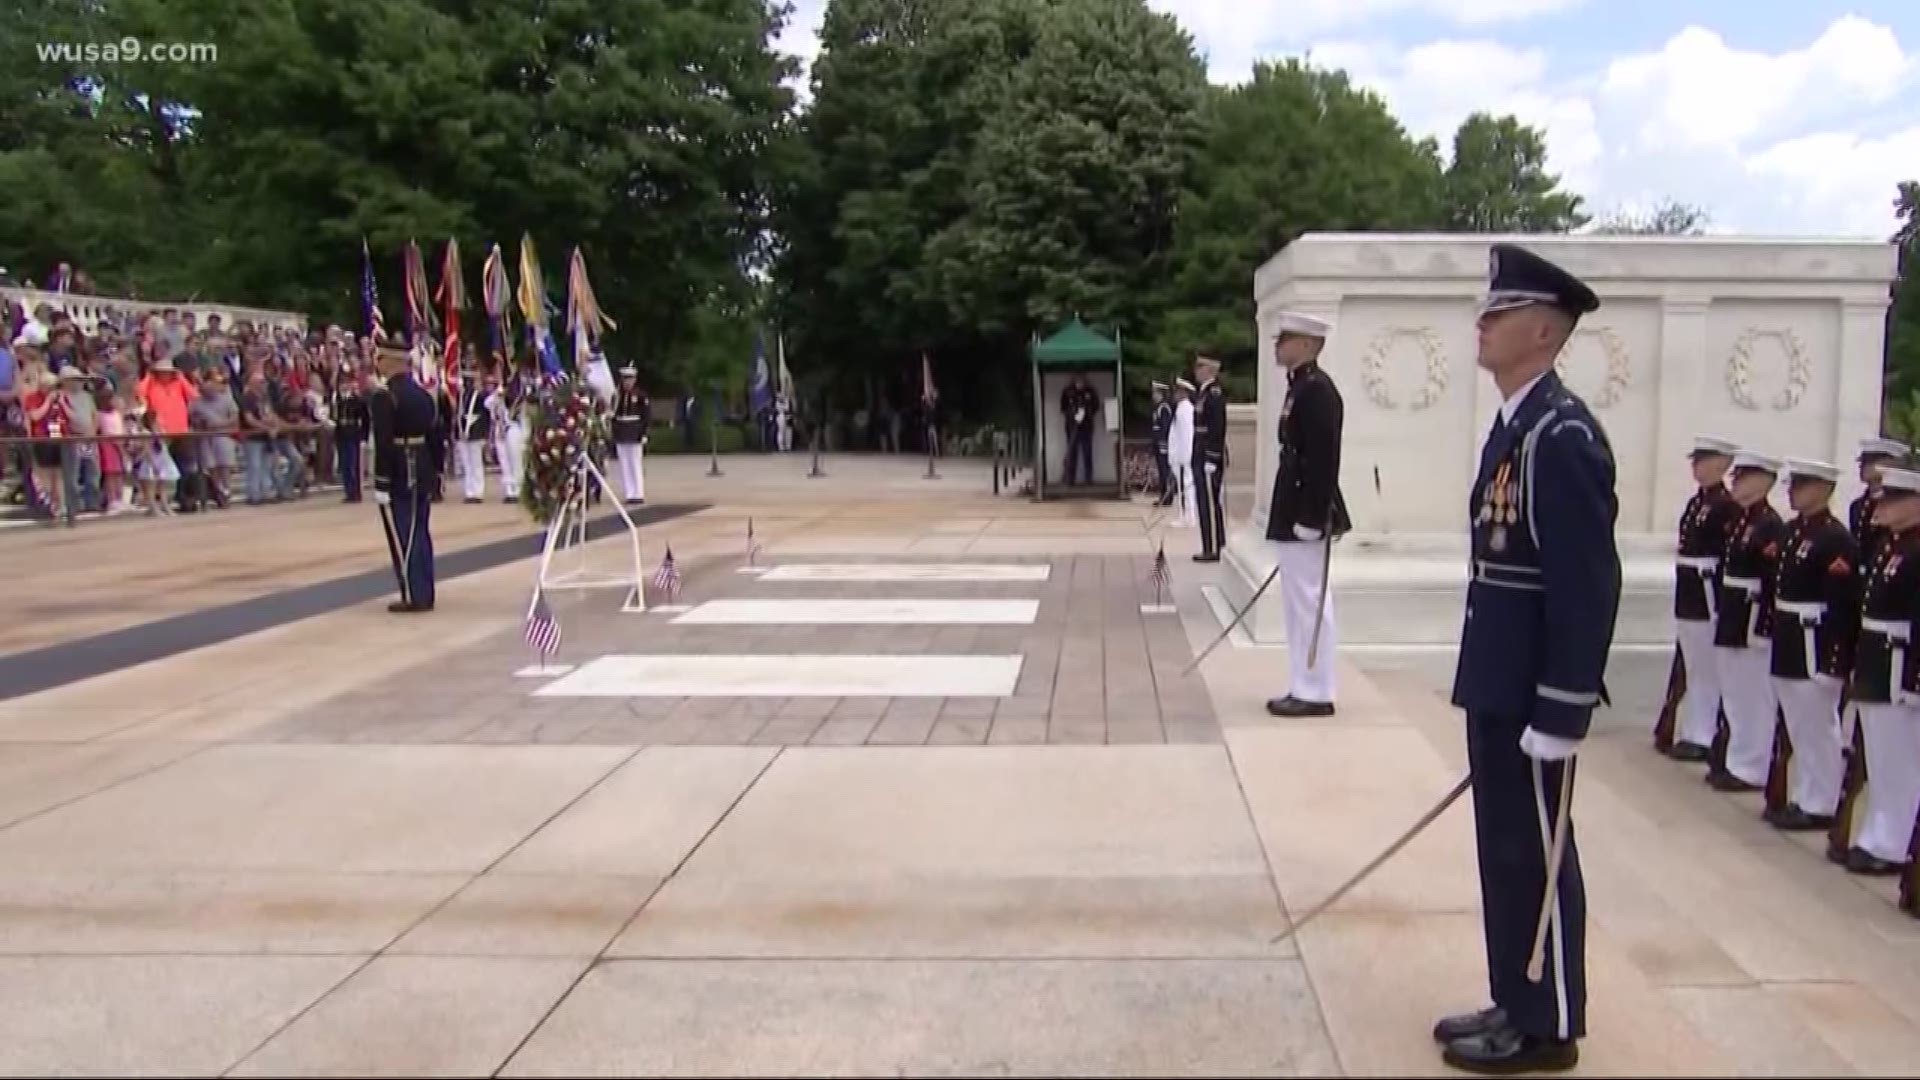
(1777, 344)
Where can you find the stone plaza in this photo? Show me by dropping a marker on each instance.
(926, 789)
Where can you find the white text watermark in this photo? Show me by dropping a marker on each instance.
(128, 50)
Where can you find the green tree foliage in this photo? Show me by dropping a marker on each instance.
(1498, 181)
(639, 130)
(1902, 376)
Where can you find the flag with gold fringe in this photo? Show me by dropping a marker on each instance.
(496, 293)
(533, 308)
(452, 296)
(585, 320)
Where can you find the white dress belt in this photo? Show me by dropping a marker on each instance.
(1705, 564)
(1744, 584)
(1811, 610)
(1898, 631)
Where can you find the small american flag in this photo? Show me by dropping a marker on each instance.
(753, 546)
(1159, 572)
(369, 296)
(667, 579)
(543, 630)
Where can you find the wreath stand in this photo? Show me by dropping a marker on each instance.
(567, 543)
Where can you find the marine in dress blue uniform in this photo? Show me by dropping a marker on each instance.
(1533, 650)
(1705, 525)
(406, 465)
(1210, 457)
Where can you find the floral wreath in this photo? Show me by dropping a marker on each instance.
(564, 422)
(1619, 366)
(1373, 368)
(1740, 369)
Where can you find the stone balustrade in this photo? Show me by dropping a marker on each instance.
(89, 311)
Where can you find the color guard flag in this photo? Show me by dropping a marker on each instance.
(667, 580)
(543, 630)
(369, 297)
(753, 546)
(1159, 571)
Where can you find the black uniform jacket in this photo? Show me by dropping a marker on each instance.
(1884, 660)
(1815, 599)
(1210, 427)
(1546, 570)
(1705, 526)
(1306, 484)
(632, 416)
(406, 449)
(1745, 597)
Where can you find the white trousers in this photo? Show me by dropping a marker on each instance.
(1812, 709)
(511, 445)
(1746, 689)
(1700, 709)
(473, 467)
(633, 476)
(1183, 483)
(1892, 797)
(1301, 565)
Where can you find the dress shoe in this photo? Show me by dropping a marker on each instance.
(1860, 861)
(1505, 1050)
(1467, 1025)
(1836, 855)
(1294, 707)
(1204, 557)
(1689, 752)
(401, 607)
(1791, 818)
(1726, 781)
(470, 502)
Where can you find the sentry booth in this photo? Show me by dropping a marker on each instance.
(1077, 348)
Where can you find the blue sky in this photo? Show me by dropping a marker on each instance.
(1780, 118)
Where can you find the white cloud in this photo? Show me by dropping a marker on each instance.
(1841, 176)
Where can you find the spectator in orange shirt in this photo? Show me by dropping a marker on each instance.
(167, 395)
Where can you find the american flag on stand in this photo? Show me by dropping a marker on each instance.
(1159, 571)
(753, 546)
(667, 579)
(543, 630)
(369, 296)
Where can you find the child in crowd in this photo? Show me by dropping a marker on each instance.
(157, 471)
(113, 454)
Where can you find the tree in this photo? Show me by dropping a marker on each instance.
(1667, 218)
(1498, 181)
(1902, 376)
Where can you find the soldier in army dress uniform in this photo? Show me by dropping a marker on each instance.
(632, 417)
(1162, 429)
(1886, 682)
(1307, 512)
(1744, 625)
(1815, 605)
(406, 464)
(1705, 526)
(1210, 457)
(1533, 650)
(349, 412)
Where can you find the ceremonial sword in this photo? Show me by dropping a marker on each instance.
(1537, 960)
(1238, 616)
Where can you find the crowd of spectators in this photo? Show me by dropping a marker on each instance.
(162, 414)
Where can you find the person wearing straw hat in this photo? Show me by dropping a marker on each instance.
(1533, 651)
(1180, 452)
(1307, 513)
(1743, 627)
(1815, 606)
(406, 467)
(1886, 683)
(1705, 526)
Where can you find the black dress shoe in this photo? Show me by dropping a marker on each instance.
(1504, 1050)
(1859, 861)
(1793, 819)
(1689, 752)
(1726, 781)
(1467, 1025)
(1204, 557)
(1294, 707)
(401, 607)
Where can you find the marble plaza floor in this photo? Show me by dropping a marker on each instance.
(746, 837)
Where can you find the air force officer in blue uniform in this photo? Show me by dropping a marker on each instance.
(1533, 650)
(406, 463)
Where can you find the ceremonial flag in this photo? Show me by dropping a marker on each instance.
(753, 546)
(928, 395)
(667, 580)
(1159, 571)
(543, 630)
(584, 317)
(452, 297)
(419, 309)
(369, 296)
(496, 293)
(760, 381)
(786, 377)
(535, 308)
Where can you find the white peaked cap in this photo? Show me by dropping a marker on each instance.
(1751, 459)
(1713, 444)
(1158, 385)
(1292, 322)
(1813, 470)
(1900, 480)
(1887, 447)
(1184, 385)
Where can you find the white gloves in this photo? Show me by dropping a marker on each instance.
(1211, 468)
(1301, 532)
(643, 440)
(381, 498)
(1544, 747)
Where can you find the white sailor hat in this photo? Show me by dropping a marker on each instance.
(1901, 481)
(1877, 447)
(1713, 444)
(1750, 459)
(1183, 384)
(1158, 385)
(1802, 469)
(1292, 322)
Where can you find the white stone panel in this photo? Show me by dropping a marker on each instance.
(907, 572)
(790, 676)
(900, 612)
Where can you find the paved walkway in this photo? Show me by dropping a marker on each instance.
(247, 859)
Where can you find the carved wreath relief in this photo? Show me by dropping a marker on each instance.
(1740, 365)
(1619, 367)
(1380, 353)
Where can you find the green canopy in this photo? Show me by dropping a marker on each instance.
(1075, 343)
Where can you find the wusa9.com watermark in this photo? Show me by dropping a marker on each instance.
(128, 50)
